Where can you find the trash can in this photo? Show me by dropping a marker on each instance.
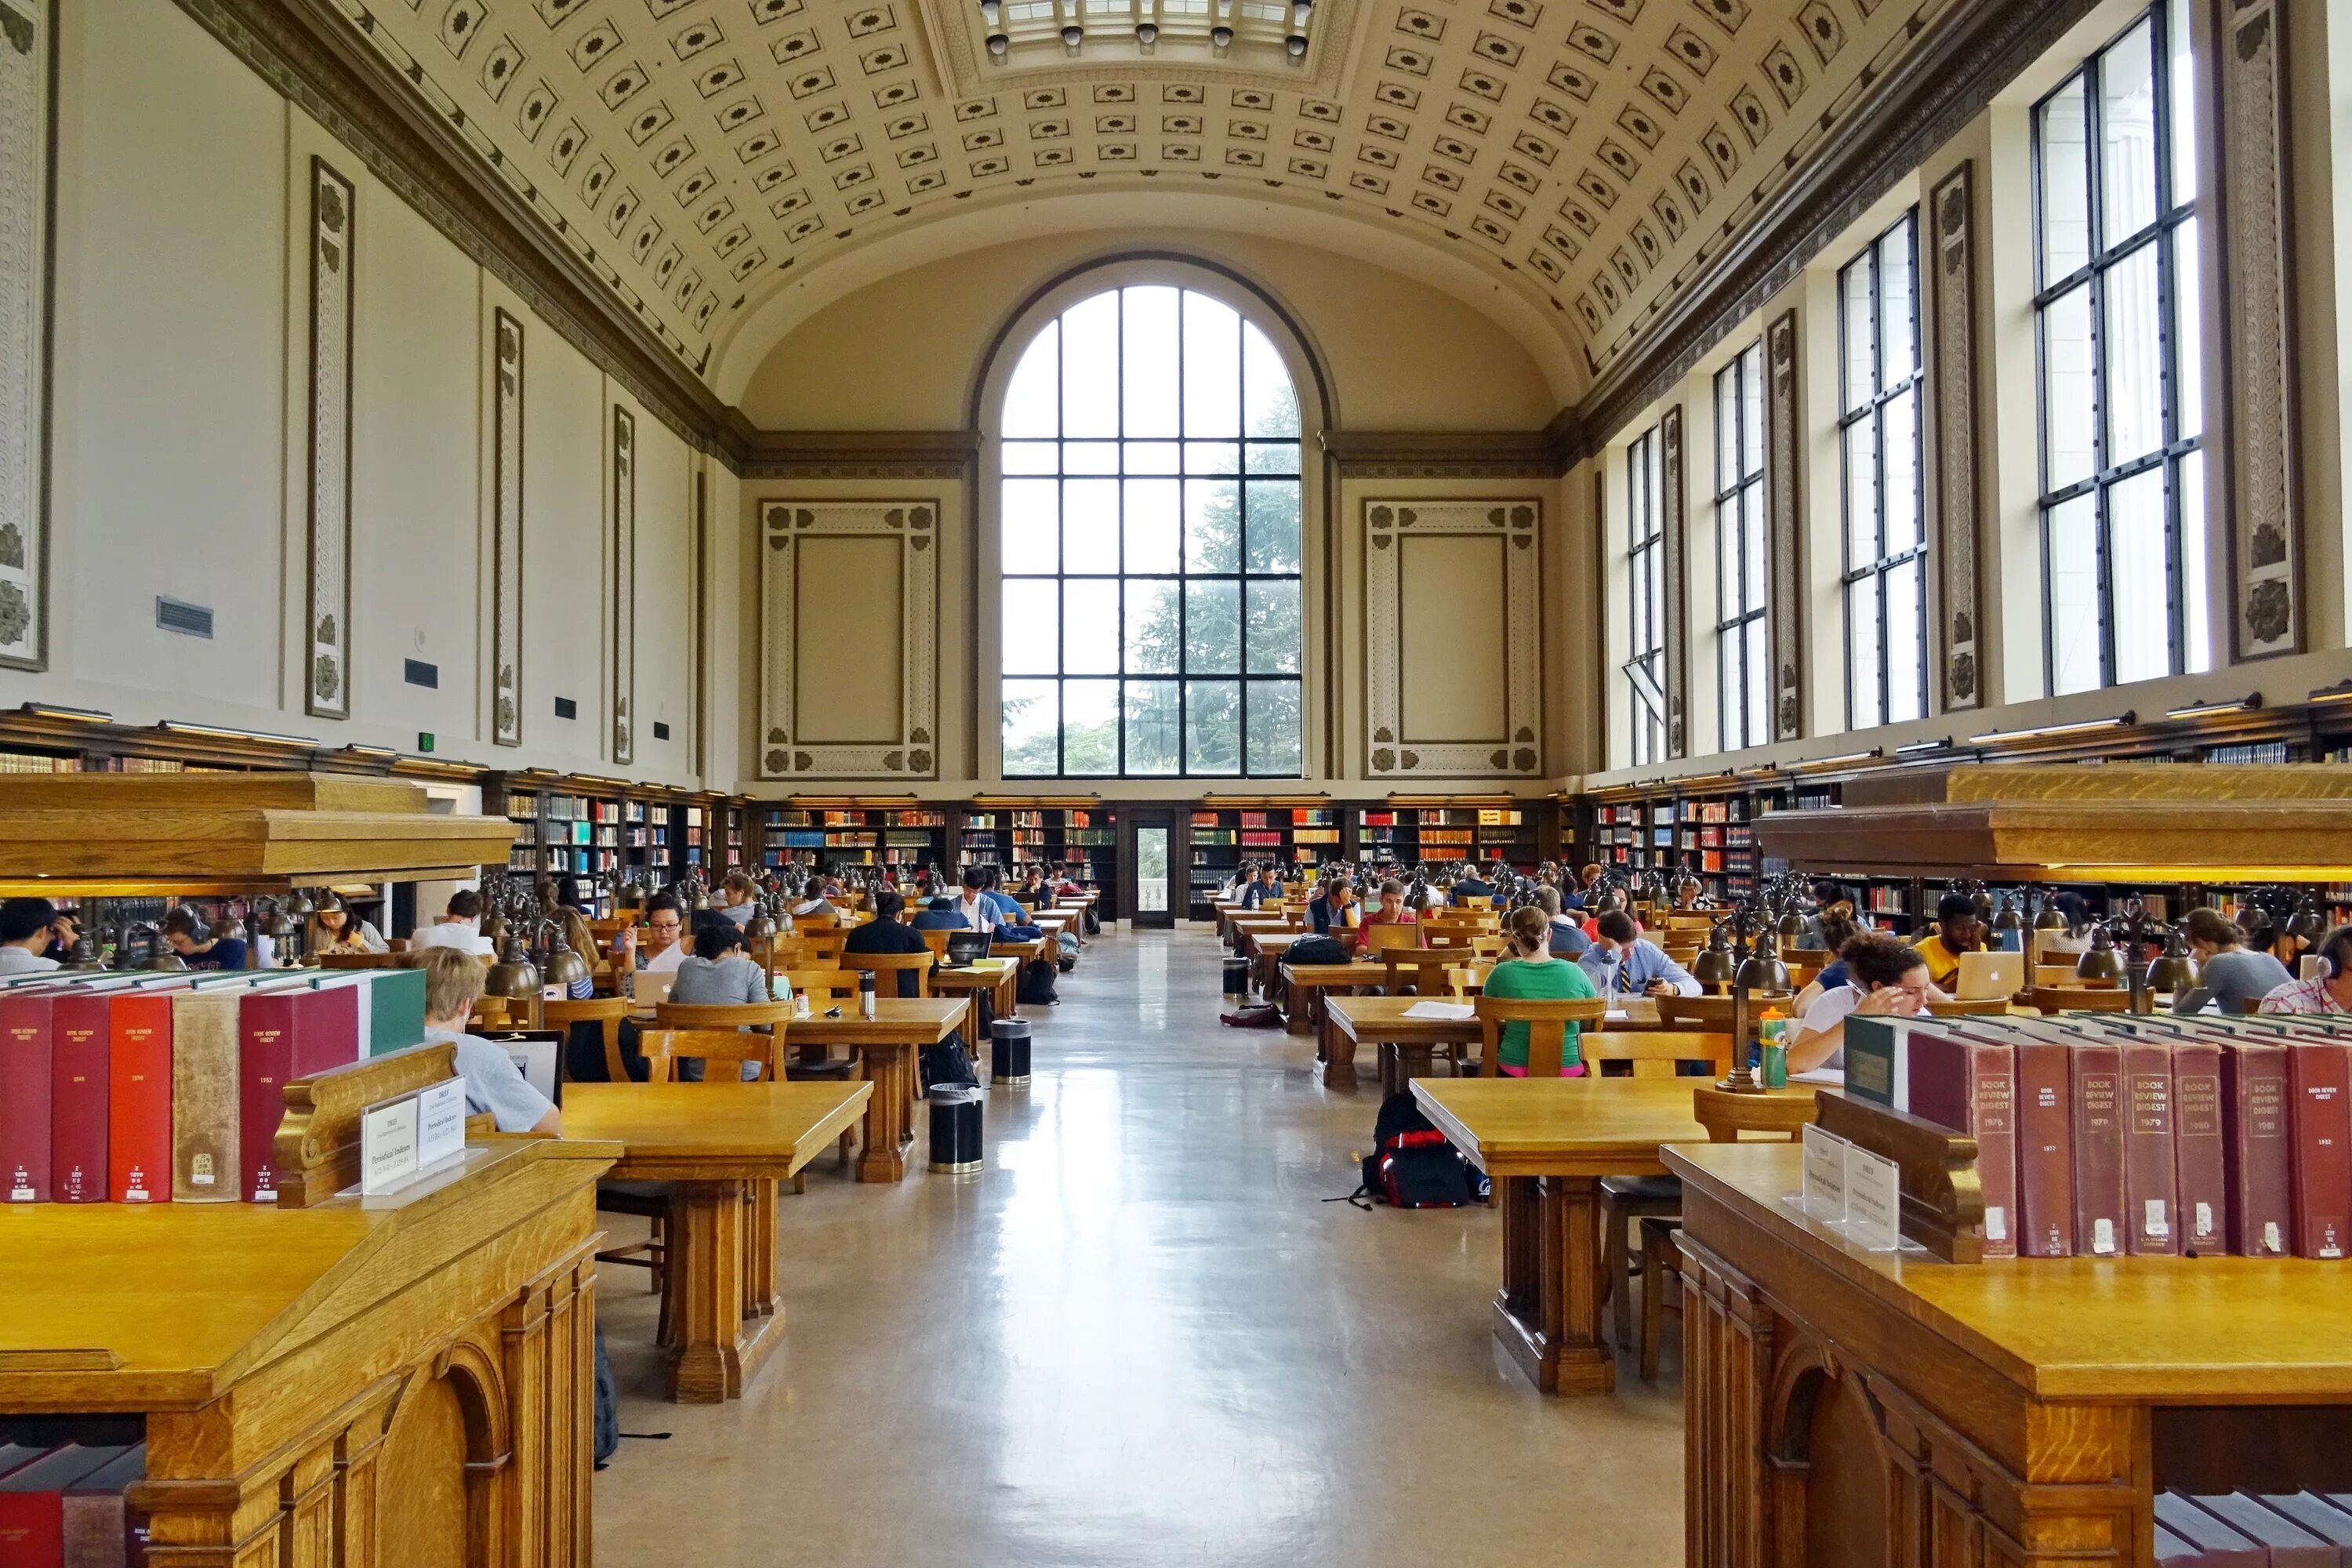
(1238, 979)
(1008, 1053)
(955, 1129)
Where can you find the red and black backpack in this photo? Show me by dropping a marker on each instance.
(1411, 1167)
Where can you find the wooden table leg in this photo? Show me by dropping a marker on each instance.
(1548, 1314)
(1410, 1061)
(1339, 1058)
(1297, 1002)
(717, 1353)
(760, 1252)
(888, 1128)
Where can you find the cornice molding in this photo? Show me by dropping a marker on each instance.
(1924, 102)
(1449, 454)
(312, 56)
(857, 454)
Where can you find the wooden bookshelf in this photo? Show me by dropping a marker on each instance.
(1474, 830)
(1223, 835)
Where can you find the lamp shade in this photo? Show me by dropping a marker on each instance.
(513, 976)
(2102, 961)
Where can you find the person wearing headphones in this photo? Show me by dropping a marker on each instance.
(2330, 991)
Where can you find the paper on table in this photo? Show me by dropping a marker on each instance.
(1616, 1015)
(1819, 1075)
(1455, 1011)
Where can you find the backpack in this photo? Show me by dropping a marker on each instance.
(608, 1404)
(1411, 1167)
(1317, 950)
(1251, 1019)
(947, 1064)
(1037, 983)
(1067, 949)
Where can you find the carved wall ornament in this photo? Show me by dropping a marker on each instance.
(332, 291)
(624, 581)
(1674, 542)
(506, 529)
(1953, 333)
(1784, 529)
(1396, 749)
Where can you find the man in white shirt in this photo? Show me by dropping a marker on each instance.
(460, 926)
(27, 928)
(977, 912)
(664, 926)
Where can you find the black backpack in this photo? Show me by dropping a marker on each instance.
(1411, 1167)
(947, 1065)
(1037, 983)
(608, 1404)
(1317, 950)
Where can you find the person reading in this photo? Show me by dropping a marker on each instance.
(1624, 963)
(1567, 938)
(739, 900)
(718, 973)
(886, 932)
(1391, 910)
(191, 937)
(460, 926)
(335, 928)
(29, 927)
(1957, 930)
(2329, 990)
(1530, 972)
(2230, 973)
(1886, 978)
(494, 1085)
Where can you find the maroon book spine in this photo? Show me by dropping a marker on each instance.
(1971, 1086)
(264, 1063)
(78, 1050)
(25, 1069)
(326, 1030)
(2098, 1128)
(2197, 1148)
(2045, 1150)
(2319, 1092)
(2151, 1189)
(2256, 1150)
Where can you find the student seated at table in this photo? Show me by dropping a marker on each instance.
(335, 928)
(814, 906)
(1012, 923)
(1261, 888)
(29, 929)
(2229, 972)
(739, 900)
(494, 1085)
(1334, 912)
(1567, 938)
(1624, 963)
(1033, 891)
(940, 914)
(1468, 885)
(1391, 910)
(1836, 926)
(1888, 978)
(2329, 990)
(1530, 972)
(460, 926)
(886, 933)
(190, 936)
(978, 913)
(719, 973)
(1957, 930)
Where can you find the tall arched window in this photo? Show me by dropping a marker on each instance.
(1151, 545)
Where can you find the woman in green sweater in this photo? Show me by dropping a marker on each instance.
(1532, 973)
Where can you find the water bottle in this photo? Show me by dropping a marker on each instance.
(866, 993)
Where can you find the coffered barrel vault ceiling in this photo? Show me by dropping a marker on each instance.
(1589, 156)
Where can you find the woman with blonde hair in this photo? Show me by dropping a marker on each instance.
(1530, 973)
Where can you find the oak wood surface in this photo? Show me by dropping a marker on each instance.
(686, 1131)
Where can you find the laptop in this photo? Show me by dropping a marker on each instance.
(1986, 975)
(964, 946)
(651, 989)
(535, 1052)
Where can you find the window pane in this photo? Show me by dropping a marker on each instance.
(2183, 106)
(1090, 626)
(1274, 527)
(1090, 367)
(2133, 387)
(1902, 468)
(1860, 369)
(1752, 505)
(1726, 426)
(1727, 676)
(1637, 603)
(1271, 457)
(1148, 370)
(1861, 439)
(1274, 725)
(1760, 685)
(1862, 637)
(1032, 400)
(1273, 401)
(1751, 422)
(1213, 369)
(1155, 525)
(2074, 596)
(2200, 652)
(1906, 675)
(1212, 726)
(1899, 347)
(1275, 633)
(1032, 457)
(2067, 394)
(2188, 336)
(1155, 632)
(1033, 723)
(1212, 628)
(1033, 525)
(1654, 562)
(1727, 558)
(1212, 525)
(1154, 727)
(1090, 726)
(1154, 457)
(2127, 134)
(1213, 458)
(2136, 570)
(1090, 525)
(2064, 172)
(1090, 457)
(1032, 626)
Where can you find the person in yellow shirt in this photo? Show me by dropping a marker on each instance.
(1957, 930)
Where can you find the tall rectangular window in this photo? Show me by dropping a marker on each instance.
(1878, 448)
(2123, 472)
(1645, 588)
(1743, 665)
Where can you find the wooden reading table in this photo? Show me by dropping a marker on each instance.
(726, 1145)
(998, 978)
(886, 1045)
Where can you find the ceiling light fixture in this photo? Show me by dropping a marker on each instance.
(2043, 732)
(1843, 760)
(2339, 692)
(2213, 710)
(1072, 37)
(1220, 37)
(992, 13)
(222, 732)
(1917, 748)
(58, 710)
(1296, 44)
(1299, 10)
(997, 43)
(1146, 35)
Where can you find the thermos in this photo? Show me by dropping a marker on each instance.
(866, 993)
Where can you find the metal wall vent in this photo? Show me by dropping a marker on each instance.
(179, 616)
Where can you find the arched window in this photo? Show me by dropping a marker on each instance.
(1153, 614)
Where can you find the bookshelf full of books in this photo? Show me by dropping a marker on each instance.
(1224, 836)
(1081, 839)
(915, 837)
(561, 831)
(1420, 835)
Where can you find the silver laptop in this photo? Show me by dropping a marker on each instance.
(1986, 975)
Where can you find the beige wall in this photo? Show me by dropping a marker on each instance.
(179, 456)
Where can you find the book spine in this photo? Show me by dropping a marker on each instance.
(2151, 1187)
(2045, 1150)
(2197, 1148)
(78, 1101)
(2099, 1132)
(204, 1143)
(25, 1069)
(139, 1101)
(1971, 1087)
(2255, 1149)
(33, 1527)
(2319, 1086)
(266, 1025)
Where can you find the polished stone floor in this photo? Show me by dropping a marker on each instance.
(1139, 1337)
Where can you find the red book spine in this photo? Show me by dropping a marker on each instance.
(25, 1069)
(33, 1529)
(2197, 1148)
(2045, 1149)
(2098, 1130)
(2151, 1189)
(77, 1052)
(326, 1030)
(265, 1067)
(2255, 1149)
(1971, 1086)
(2319, 1090)
(139, 1099)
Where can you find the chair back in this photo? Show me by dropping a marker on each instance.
(723, 1015)
(1448, 933)
(1778, 1116)
(1384, 937)
(2062, 975)
(386, 960)
(1714, 1013)
(498, 1013)
(1699, 925)
(1975, 1007)
(1654, 1053)
(937, 940)
(663, 1049)
(1489, 945)
(878, 965)
(1546, 1023)
(830, 984)
(1424, 969)
(2080, 999)
(820, 946)
(605, 1013)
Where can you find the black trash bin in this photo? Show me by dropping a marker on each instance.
(1238, 979)
(1008, 1053)
(955, 1129)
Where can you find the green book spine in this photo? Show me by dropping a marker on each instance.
(397, 1019)
(1875, 1060)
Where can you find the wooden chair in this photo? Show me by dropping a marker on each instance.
(606, 1012)
(1779, 1117)
(819, 947)
(1699, 925)
(1487, 946)
(1422, 971)
(2050, 999)
(2062, 975)
(878, 965)
(1661, 1277)
(1437, 933)
(1714, 1013)
(823, 987)
(1654, 1053)
(496, 1012)
(1546, 1023)
(1385, 938)
(665, 1048)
